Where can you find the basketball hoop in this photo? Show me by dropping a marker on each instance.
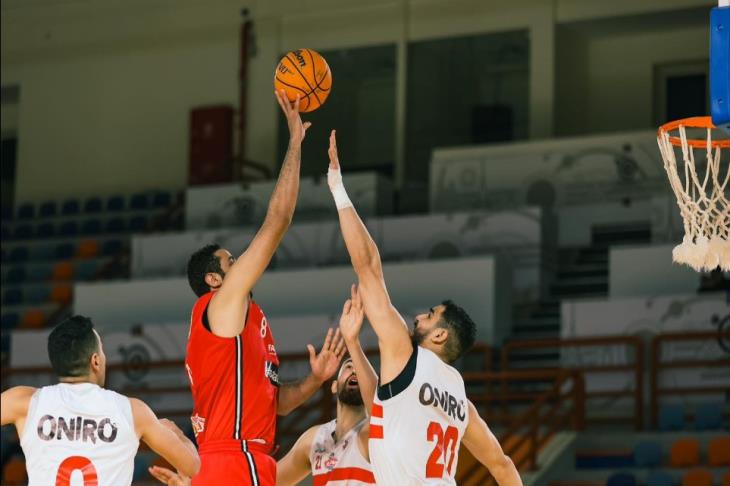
(701, 188)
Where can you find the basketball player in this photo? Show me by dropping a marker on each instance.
(420, 413)
(335, 453)
(77, 428)
(231, 358)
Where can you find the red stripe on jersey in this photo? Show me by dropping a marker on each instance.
(377, 411)
(343, 474)
(376, 431)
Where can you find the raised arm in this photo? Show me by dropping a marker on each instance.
(165, 438)
(295, 465)
(14, 404)
(485, 448)
(323, 365)
(227, 309)
(393, 337)
(350, 325)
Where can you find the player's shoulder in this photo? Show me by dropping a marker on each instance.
(20, 392)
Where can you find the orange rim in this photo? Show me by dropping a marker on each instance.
(693, 122)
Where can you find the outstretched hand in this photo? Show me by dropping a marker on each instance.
(297, 129)
(332, 152)
(326, 363)
(352, 316)
(168, 477)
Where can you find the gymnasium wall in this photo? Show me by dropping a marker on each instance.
(106, 87)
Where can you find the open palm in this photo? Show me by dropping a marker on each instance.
(352, 316)
(326, 363)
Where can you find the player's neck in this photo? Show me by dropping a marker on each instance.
(77, 379)
(347, 417)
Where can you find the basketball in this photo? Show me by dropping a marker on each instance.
(304, 72)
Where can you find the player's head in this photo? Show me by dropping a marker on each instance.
(207, 268)
(75, 351)
(346, 386)
(446, 329)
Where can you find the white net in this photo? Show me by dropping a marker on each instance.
(701, 187)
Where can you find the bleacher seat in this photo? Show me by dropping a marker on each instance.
(23, 231)
(46, 230)
(93, 205)
(6, 232)
(88, 249)
(115, 204)
(12, 297)
(115, 225)
(718, 452)
(63, 271)
(62, 294)
(7, 213)
(161, 200)
(37, 294)
(64, 250)
(68, 228)
(18, 254)
(70, 207)
(621, 479)
(9, 320)
(697, 477)
(111, 247)
(38, 273)
(708, 416)
(671, 417)
(139, 201)
(47, 209)
(26, 211)
(86, 270)
(91, 227)
(659, 478)
(15, 275)
(33, 319)
(138, 224)
(685, 453)
(14, 472)
(647, 454)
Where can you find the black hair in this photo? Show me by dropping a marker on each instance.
(201, 263)
(70, 346)
(462, 330)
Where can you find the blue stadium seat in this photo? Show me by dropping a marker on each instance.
(15, 275)
(161, 200)
(23, 231)
(4, 255)
(10, 320)
(137, 224)
(46, 230)
(68, 228)
(621, 479)
(6, 233)
(12, 297)
(64, 251)
(115, 203)
(86, 270)
(70, 207)
(91, 227)
(38, 295)
(139, 201)
(671, 417)
(7, 213)
(26, 211)
(708, 416)
(18, 254)
(659, 478)
(47, 209)
(115, 225)
(111, 247)
(39, 273)
(92, 205)
(647, 454)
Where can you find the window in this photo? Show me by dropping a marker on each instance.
(680, 91)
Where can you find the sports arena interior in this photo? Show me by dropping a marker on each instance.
(503, 154)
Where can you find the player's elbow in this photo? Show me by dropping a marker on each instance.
(501, 467)
(191, 466)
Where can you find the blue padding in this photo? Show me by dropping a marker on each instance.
(720, 66)
(647, 454)
(671, 417)
(659, 478)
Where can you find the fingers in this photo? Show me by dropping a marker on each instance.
(346, 308)
(312, 354)
(161, 474)
(332, 151)
(296, 103)
(339, 345)
(306, 125)
(328, 340)
(280, 97)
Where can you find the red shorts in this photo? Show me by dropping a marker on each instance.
(235, 463)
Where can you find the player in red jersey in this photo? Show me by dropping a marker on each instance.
(231, 356)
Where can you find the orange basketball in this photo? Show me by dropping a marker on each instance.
(306, 73)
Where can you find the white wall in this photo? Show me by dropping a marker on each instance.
(107, 86)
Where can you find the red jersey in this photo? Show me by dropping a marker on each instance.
(234, 381)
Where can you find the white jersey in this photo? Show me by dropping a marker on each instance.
(339, 462)
(417, 423)
(79, 435)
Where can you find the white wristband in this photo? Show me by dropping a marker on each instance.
(334, 180)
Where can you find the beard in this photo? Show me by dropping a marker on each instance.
(349, 396)
(417, 337)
